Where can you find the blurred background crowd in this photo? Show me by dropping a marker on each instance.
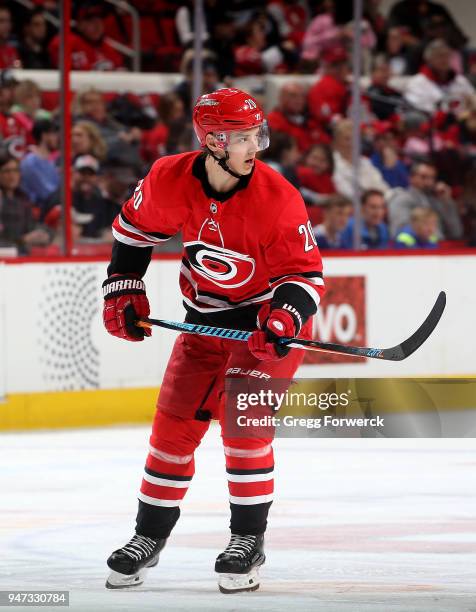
(418, 159)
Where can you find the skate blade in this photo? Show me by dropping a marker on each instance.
(115, 580)
(239, 583)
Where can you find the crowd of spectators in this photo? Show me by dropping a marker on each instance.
(113, 144)
(417, 166)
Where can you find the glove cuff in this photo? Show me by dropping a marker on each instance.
(122, 284)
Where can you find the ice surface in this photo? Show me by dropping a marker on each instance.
(357, 525)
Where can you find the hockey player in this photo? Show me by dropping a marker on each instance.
(249, 262)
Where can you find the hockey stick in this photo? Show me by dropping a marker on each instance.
(395, 353)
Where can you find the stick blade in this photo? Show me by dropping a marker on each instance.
(411, 344)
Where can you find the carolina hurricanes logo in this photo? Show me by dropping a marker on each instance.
(224, 268)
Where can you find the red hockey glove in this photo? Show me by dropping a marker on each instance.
(273, 324)
(125, 301)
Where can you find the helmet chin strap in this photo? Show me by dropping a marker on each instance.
(223, 165)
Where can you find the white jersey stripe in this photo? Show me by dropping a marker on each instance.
(164, 482)
(222, 305)
(180, 459)
(247, 452)
(250, 477)
(130, 241)
(165, 503)
(134, 230)
(315, 280)
(250, 501)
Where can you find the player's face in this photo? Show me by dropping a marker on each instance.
(242, 149)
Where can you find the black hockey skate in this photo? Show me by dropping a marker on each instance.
(130, 563)
(239, 563)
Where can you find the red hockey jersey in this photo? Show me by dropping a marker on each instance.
(238, 250)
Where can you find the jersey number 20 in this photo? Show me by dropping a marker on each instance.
(310, 241)
(138, 195)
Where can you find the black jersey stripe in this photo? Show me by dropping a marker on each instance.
(153, 234)
(224, 298)
(147, 470)
(241, 472)
(303, 274)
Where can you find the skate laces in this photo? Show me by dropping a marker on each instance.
(139, 547)
(240, 546)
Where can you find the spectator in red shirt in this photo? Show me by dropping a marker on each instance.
(291, 116)
(8, 54)
(90, 49)
(27, 108)
(315, 177)
(328, 99)
(291, 18)
(317, 169)
(252, 56)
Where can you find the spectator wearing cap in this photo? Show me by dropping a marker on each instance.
(374, 230)
(90, 49)
(90, 211)
(291, 116)
(39, 173)
(17, 223)
(33, 46)
(369, 177)
(385, 101)
(337, 212)
(9, 57)
(437, 86)
(422, 231)
(329, 98)
(425, 192)
(386, 155)
(12, 132)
